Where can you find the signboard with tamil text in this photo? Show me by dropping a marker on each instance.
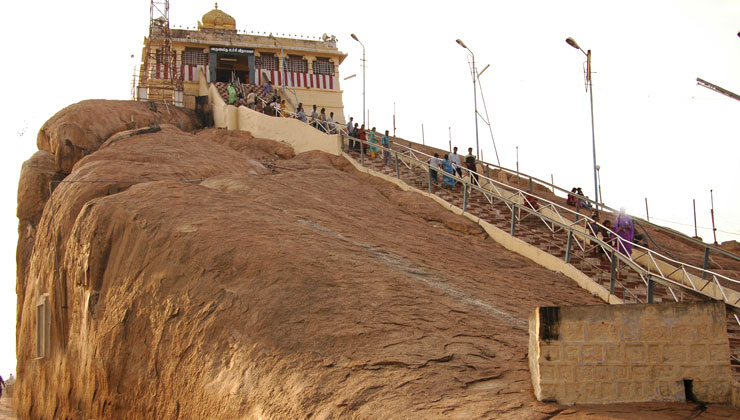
(232, 50)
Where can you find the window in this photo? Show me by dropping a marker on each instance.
(323, 65)
(296, 63)
(43, 326)
(267, 61)
(194, 57)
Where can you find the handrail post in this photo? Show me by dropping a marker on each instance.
(488, 171)
(513, 218)
(530, 184)
(398, 171)
(651, 286)
(568, 246)
(613, 275)
(465, 196)
(706, 264)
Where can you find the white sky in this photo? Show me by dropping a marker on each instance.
(658, 135)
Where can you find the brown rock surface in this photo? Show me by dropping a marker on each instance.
(217, 276)
(81, 128)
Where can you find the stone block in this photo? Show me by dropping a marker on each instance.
(621, 373)
(603, 373)
(630, 332)
(719, 352)
(570, 353)
(675, 353)
(663, 372)
(683, 333)
(550, 352)
(573, 332)
(640, 373)
(656, 334)
(655, 353)
(635, 353)
(584, 374)
(613, 353)
(601, 332)
(609, 391)
(547, 374)
(592, 353)
(688, 372)
(567, 374)
(698, 353)
(626, 391)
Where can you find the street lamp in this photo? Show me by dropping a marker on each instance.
(475, 96)
(363, 76)
(572, 42)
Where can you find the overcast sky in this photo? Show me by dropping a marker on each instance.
(658, 135)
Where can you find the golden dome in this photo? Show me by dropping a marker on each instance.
(217, 19)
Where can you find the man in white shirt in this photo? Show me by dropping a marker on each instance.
(332, 125)
(456, 162)
(434, 164)
(251, 100)
(314, 117)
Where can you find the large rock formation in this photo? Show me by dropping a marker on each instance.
(214, 275)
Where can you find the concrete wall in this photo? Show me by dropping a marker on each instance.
(630, 353)
(301, 136)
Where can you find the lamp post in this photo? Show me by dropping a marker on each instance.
(475, 96)
(363, 76)
(572, 42)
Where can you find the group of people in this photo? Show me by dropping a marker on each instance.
(366, 142)
(276, 106)
(237, 98)
(623, 227)
(578, 199)
(317, 119)
(452, 165)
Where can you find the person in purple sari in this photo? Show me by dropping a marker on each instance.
(625, 229)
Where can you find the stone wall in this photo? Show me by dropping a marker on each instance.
(630, 353)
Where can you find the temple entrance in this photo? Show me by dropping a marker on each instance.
(229, 61)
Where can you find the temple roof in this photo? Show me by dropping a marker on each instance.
(217, 19)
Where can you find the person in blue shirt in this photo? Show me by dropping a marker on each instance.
(385, 142)
(448, 181)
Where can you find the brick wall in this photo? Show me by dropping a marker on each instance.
(630, 353)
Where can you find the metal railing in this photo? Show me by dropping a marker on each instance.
(534, 180)
(651, 266)
(550, 186)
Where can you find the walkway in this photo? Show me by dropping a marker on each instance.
(6, 408)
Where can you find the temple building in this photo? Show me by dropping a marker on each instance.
(300, 70)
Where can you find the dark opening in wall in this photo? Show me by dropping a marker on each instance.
(688, 387)
(549, 323)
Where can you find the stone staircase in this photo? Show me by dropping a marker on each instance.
(629, 285)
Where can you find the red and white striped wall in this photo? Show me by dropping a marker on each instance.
(189, 73)
(294, 79)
